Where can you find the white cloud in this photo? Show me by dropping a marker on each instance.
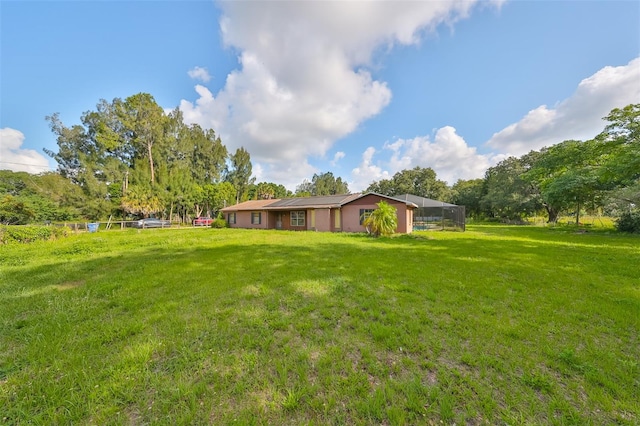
(303, 81)
(17, 159)
(337, 157)
(577, 117)
(199, 73)
(447, 154)
(366, 172)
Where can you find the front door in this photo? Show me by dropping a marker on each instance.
(279, 221)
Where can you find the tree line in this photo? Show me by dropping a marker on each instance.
(600, 175)
(129, 158)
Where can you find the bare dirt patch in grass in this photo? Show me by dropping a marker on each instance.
(69, 285)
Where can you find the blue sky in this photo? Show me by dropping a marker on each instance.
(361, 89)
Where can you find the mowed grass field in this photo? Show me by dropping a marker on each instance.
(496, 325)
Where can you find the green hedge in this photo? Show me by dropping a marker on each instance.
(30, 233)
(219, 223)
(629, 222)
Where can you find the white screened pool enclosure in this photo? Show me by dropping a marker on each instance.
(434, 214)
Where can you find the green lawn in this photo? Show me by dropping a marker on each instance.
(497, 325)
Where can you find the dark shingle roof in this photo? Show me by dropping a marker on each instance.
(423, 202)
(251, 205)
(318, 201)
(325, 201)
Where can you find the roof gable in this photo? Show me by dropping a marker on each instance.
(399, 200)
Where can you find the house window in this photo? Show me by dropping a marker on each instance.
(364, 214)
(256, 218)
(231, 218)
(297, 218)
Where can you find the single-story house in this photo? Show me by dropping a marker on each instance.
(330, 213)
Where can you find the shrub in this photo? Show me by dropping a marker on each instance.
(28, 234)
(219, 223)
(382, 221)
(629, 222)
(14, 211)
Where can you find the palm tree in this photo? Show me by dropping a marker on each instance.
(382, 221)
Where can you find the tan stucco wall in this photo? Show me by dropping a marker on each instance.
(409, 221)
(323, 220)
(351, 214)
(336, 225)
(243, 220)
(351, 217)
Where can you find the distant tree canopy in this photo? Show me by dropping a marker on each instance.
(417, 181)
(239, 172)
(267, 191)
(601, 174)
(322, 184)
(506, 194)
(129, 157)
(27, 198)
(468, 193)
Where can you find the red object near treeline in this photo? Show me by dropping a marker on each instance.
(202, 221)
